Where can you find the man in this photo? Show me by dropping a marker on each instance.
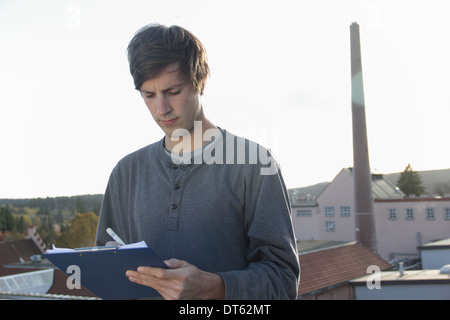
(206, 200)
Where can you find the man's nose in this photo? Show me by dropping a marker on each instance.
(162, 105)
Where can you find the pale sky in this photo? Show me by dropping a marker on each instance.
(280, 75)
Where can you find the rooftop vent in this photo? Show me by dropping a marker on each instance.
(445, 269)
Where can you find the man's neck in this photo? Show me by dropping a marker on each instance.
(200, 135)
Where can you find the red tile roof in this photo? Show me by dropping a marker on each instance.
(333, 266)
(11, 252)
(10, 264)
(60, 286)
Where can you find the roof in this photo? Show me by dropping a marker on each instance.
(38, 281)
(15, 259)
(60, 287)
(408, 277)
(40, 296)
(441, 244)
(424, 198)
(306, 196)
(16, 252)
(308, 246)
(330, 267)
(382, 188)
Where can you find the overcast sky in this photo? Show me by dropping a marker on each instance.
(280, 74)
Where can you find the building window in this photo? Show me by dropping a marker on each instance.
(329, 211)
(409, 214)
(345, 211)
(430, 214)
(446, 213)
(330, 226)
(304, 213)
(392, 214)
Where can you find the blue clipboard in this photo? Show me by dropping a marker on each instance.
(102, 270)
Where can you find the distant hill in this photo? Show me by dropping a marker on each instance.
(434, 181)
(309, 193)
(314, 189)
(81, 203)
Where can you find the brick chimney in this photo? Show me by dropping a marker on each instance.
(34, 235)
(362, 180)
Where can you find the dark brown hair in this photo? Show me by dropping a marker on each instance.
(156, 46)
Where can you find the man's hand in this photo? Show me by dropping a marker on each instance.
(181, 281)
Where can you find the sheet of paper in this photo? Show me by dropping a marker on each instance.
(59, 250)
(140, 244)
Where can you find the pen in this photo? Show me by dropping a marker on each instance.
(115, 236)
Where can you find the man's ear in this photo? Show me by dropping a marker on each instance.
(202, 90)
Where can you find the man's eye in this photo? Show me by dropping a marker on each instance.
(174, 93)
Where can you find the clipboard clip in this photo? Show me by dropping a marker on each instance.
(96, 249)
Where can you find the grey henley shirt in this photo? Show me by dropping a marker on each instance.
(220, 212)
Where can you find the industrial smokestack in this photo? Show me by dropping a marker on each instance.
(362, 180)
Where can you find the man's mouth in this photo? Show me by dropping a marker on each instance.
(168, 122)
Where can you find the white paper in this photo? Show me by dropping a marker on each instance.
(135, 245)
(59, 250)
(141, 244)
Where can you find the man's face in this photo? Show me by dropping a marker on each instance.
(172, 100)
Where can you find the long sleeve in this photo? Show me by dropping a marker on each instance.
(273, 271)
(110, 216)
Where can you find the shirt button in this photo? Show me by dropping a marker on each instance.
(174, 206)
(177, 186)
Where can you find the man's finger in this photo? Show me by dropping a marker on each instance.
(175, 263)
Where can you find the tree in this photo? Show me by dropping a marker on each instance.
(21, 224)
(80, 206)
(81, 233)
(441, 188)
(410, 182)
(47, 232)
(7, 221)
(60, 217)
